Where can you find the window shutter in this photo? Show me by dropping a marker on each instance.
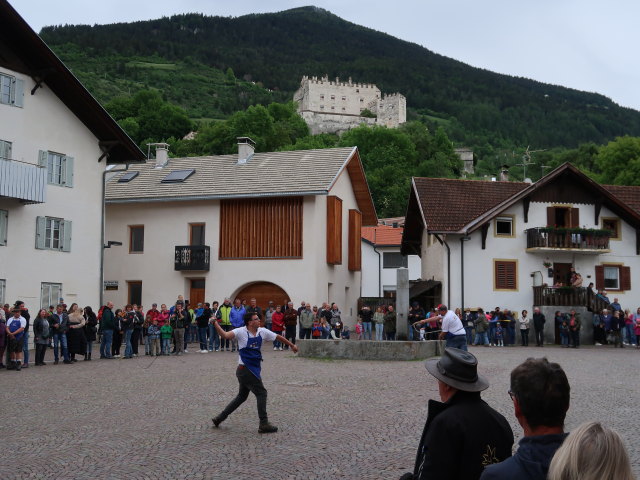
(355, 240)
(551, 216)
(575, 217)
(505, 275)
(66, 235)
(68, 171)
(625, 278)
(4, 225)
(41, 229)
(18, 93)
(43, 155)
(5, 149)
(599, 277)
(334, 230)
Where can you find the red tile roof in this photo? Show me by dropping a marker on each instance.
(382, 235)
(449, 204)
(627, 194)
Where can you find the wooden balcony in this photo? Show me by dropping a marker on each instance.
(23, 181)
(568, 297)
(192, 257)
(577, 240)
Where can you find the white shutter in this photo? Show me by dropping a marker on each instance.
(68, 172)
(18, 93)
(41, 230)
(66, 235)
(5, 149)
(43, 156)
(4, 225)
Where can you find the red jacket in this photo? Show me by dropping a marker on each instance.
(277, 321)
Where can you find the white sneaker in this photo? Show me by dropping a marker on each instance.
(598, 344)
(275, 348)
(186, 351)
(280, 348)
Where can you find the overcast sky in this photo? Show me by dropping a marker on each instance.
(589, 45)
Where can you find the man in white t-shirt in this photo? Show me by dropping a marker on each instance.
(452, 329)
(250, 338)
(15, 337)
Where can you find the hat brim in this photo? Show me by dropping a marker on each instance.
(478, 386)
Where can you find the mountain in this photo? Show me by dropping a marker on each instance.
(477, 107)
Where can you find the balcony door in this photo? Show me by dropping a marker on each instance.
(196, 293)
(561, 273)
(563, 217)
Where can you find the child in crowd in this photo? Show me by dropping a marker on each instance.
(166, 332)
(564, 332)
(359, 329)
(499, 335)
(316, 329)
(153, 332)
(344, 333)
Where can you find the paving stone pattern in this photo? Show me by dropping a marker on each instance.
(148, 418)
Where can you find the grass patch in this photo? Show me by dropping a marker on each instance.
(156, 66)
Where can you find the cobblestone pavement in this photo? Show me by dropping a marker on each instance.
(151, 419)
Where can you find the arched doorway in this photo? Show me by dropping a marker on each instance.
(263, 292)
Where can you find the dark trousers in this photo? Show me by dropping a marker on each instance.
(599, 335)
(305, 332)
(135, 340)
(248, 382)
(117, 343)
(290, 334)
(575, 338)
(539, 337)
(223, 342)
(525, 337)
(40, 351)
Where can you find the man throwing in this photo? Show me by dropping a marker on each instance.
(250, 338)
(452, 329)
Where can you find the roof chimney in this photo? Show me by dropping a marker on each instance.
(246, 149)
(162, 153)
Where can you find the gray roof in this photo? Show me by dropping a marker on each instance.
(299, 172)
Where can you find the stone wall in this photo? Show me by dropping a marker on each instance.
(369, 350)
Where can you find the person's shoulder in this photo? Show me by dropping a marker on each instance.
(505, 470)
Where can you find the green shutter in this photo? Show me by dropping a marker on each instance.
(66, 235)
(68, 172)
(4, 225)
(18, 93)
(41, 230)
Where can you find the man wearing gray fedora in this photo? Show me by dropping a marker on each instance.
(463, 434)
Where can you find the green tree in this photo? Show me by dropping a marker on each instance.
(619, 161)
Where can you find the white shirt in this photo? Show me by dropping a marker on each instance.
(451, 323)
(242, 335)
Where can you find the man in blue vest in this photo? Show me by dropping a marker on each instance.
(250, 338)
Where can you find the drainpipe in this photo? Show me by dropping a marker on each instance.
(464, 238)
(102, 229)
(375, 235)
(444, 242)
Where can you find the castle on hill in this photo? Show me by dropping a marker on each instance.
(334, 106)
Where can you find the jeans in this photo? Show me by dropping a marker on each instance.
(105, 343)
(379, 330)
(25, 348)
(202, 336)
(147, 344)
(524, 333)
(410, 332)
(248, 382)
(366, 334)
(631, 338)
(89, 347)
(457, 341)
(276, 343)
(564, 339)
(482, 338)
(214, 338)
(166, 346)
(60, 338)
(469, 331)
(492, 332)
(128, 350)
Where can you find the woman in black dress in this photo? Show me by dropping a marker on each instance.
(117, 334)
(76, 339)
(90, 329)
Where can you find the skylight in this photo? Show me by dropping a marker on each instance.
(178, 176)
(127, 177)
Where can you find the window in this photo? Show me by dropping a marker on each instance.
(5, 149)
(134, 292)
(504, 226)
(4, 226)
(50, 294)
(178, 176)
(11, 90)
(59, 168)
(355, 240)
(332, 107)
(344, 98)
(612, 224)
(334, 230)
(333, 97)
(53, 234)
(321, 97)
(3, 289)
(394, 260)
(321, 107)
(196, 234)
(505, 275)
(563, 217)
(136, 238)
(127, 177)
(613, 277)
(361, 100)
(344, 109)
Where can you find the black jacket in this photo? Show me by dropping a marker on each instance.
(460, 438)
(538, 321)
(530, 462)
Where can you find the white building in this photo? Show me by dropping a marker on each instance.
(274, 226)
(55, 141)
(381, 259)
(333, 106)
(487, 244)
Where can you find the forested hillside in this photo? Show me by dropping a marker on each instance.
(194, 61)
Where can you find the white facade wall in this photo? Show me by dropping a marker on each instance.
(478, 264)
(375, 278)
(166, 225)
(45, 123)
(328, 96)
